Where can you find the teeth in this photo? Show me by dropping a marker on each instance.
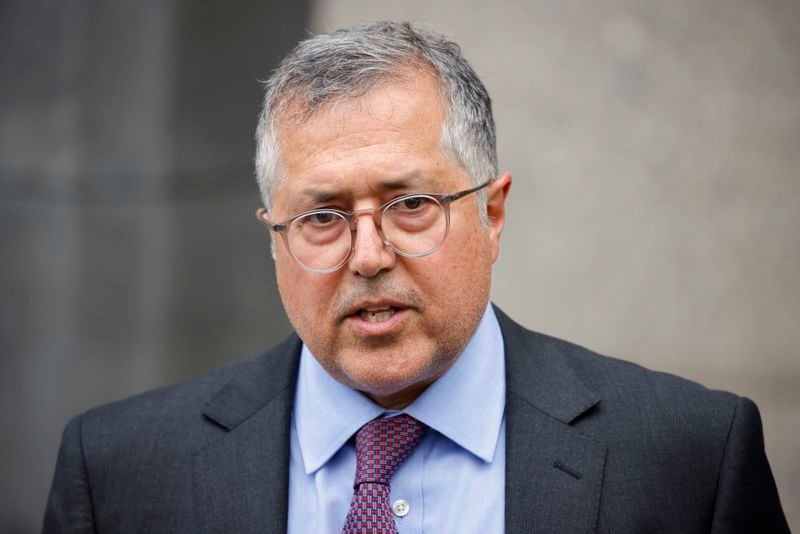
(377, 314)
(377, 308)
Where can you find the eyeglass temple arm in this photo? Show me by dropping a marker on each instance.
(281, 227)
(261, 216)
(455, 196)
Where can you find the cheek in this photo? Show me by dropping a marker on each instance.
(296, 288)
(473, 270)
(285, 278)
(459, 272)
(472, 249)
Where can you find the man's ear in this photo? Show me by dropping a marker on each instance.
(262, 215)
(496, 210)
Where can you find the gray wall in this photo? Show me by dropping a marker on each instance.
(132, 257)
(655, 212)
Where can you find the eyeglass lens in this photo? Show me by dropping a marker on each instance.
(414, 226)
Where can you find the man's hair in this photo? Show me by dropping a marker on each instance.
(346, 64)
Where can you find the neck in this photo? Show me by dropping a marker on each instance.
(400, 399)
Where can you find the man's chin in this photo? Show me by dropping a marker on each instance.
(380, 385)
(392, 396)
(391, 386)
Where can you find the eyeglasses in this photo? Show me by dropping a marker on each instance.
(412, 225)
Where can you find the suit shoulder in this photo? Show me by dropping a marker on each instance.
(614, 378)
(621, 386)
(176, 409)
(637, 409)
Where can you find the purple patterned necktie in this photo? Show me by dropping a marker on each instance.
(381, 446)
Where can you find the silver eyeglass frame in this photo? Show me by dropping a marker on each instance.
(282, 228)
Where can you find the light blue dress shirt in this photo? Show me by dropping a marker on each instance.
(453, 481)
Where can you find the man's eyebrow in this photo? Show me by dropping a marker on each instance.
(322, 195)
(319, 196)
(403, 183)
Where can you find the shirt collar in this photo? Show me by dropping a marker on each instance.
(465, 404)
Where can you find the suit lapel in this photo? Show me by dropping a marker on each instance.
(241, 477)
(554, 473)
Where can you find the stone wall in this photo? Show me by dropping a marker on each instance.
(131, 255)
(655, 208)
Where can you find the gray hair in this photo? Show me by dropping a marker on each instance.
(348, 63)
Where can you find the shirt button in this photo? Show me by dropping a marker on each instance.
(400, 508)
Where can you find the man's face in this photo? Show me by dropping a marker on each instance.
(384, 324)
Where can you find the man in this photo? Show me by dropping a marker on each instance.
(406, 402)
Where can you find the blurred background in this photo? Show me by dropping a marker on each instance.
(654, 215)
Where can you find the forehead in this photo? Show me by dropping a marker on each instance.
(391, 135)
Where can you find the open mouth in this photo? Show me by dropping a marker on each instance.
(377, 318)
(377, 314)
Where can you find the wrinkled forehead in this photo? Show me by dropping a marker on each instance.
(398, 124)
(300, 105)
(301, 100)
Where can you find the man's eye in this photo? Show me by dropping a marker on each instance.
(411, 203)
(320, 219)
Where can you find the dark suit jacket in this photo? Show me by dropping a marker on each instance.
(593, 444)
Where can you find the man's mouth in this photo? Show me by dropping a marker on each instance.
(377, 318)
(376, 314)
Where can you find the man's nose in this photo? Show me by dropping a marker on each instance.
(370, 254)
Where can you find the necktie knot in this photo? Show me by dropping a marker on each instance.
(383, 444)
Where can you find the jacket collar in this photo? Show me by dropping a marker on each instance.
(241, 476)
(538, 372)
(254, 384)
(554, 473)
